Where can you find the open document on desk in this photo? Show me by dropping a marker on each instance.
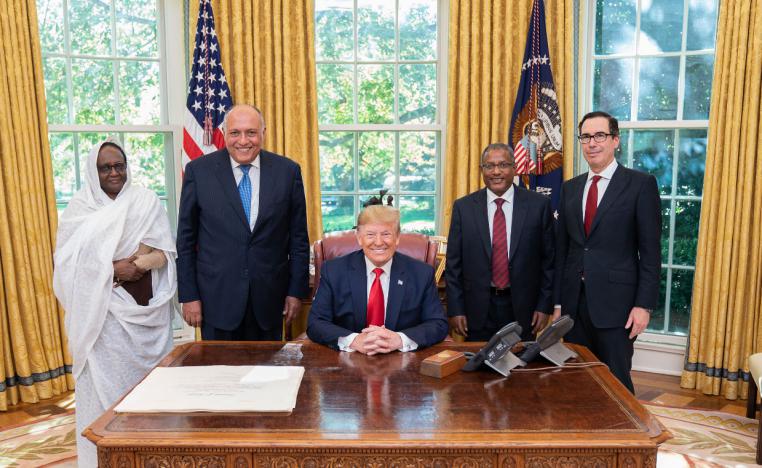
(215, 388)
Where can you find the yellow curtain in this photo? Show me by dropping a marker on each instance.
(268, 54)
(35, 361)
(486, 49)
(727, 288)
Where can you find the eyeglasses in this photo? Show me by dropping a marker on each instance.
(503, 166)
(599, 137)
(118, 167)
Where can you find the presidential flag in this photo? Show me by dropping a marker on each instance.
(208, 92)
(535, 131)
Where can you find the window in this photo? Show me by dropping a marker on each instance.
(379, 73)
(104, 63)
(651, 66)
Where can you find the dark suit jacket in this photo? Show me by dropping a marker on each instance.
(469, 258)
(341, 302)
(621, 259)
(221, 261)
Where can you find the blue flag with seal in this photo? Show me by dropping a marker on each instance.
(535, 131)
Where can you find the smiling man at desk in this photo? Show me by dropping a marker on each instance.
(376, 300)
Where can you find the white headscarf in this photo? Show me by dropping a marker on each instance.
(95, 231)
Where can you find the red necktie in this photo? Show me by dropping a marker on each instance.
(500, 276)
(591, 204)
(376, 301)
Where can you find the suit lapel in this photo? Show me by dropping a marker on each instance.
(396, 292)
(517, 222)
(224, 173)
(482, 220)
(576, 201)
(358, 281)
(618, 182)
(266, 189)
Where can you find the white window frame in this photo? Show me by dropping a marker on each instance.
(438, 126)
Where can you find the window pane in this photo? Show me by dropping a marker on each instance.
(85, 142)
(334, 94)
(51, 24)
(698, 86)
(661, 26)
(375, 96)
(93, 91)
(690, 174)
(622, 154)
(334, 30)
(687, 214)
(56, 94)
(702, 24)
(614, 26)
(137, 34)
(666, 210)
(376, 167)
(658, 88)
(680, 308)
(145, 155)
(612, 87)
(338, 212)
(337, 161)
(652, 153)
(418, 161)
(418, 30)
(90, 27)
(656, 323)
(417, 214)
(139, 92)
(375, 30)
(64, 168)
(418, 93)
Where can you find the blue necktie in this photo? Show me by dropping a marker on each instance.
(244, 190)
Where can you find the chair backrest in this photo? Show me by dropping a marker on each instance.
(336, 244)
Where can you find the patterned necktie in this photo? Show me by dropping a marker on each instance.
(376, 301)
(500, 276)
(244, 190)
(591, 204)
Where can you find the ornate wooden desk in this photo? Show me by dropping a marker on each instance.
(378, 411)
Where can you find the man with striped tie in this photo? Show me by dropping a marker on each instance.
(242, 243)
(499, 254)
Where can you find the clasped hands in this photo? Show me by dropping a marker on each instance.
(126, 270)
(376, 340)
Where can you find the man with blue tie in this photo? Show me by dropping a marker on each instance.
(377, 300)
(242, 243)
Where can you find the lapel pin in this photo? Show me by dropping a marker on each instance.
(399, 281)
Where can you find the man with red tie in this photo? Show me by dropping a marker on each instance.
(376, 300)
(608, 253)
(499, 254)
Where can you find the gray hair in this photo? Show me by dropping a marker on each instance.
(498, 147)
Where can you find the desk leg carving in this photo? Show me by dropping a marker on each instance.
(109, 459)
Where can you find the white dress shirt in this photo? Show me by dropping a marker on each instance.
(603, 183)
(507, 210)
(254, 178)
(345, 341)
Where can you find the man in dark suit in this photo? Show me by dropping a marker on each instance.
(499, 254)
(242, 244)
(376, 300)
(608, 254)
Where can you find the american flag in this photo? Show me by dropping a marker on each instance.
(208, 92)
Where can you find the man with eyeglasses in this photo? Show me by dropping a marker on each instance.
(608, 254)
(499, 254)
(377, 300)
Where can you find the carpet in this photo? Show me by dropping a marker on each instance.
(50, 442)
(705, 439)
(702, 439)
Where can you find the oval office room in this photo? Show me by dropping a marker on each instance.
(465, 233)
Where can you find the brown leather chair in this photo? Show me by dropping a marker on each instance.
(336, 244)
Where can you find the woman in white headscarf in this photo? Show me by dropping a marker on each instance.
(114, 252)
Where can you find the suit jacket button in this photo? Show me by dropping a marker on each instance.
(245, 273)
(586, 249)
